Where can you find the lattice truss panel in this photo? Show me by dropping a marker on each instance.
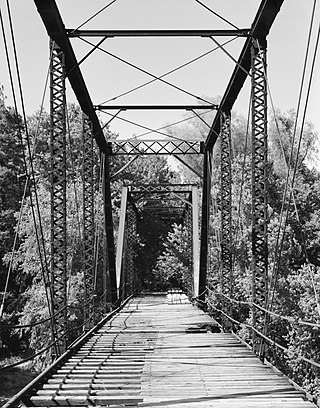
(226, 180)
(130, 279)
(259, 178)
(88, 219)
(133, 147)
(58, 190)
(188, 226)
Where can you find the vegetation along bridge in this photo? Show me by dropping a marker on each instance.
(175, 268)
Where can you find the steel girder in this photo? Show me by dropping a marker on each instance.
(127, 281)
(88, 220)
(121, 236)
(187, 225)
(154, 147)
(52, 20)
(259, 183)
(244, 32)
(161, 188)
(155, 107)
(131, 278)
(58, 192)
(260, 28)
(111, 258)
(195, 240)
(226, 208)
(205, 221)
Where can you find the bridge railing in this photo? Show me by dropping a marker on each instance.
(275, 339)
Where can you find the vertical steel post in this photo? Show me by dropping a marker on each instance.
(58, 264)
(188, 230)
(111, 259)
(121, 236)
(259, 184)
(88, 220)
(195, 240)
(205, 220)
(226, 209)
(131, 230)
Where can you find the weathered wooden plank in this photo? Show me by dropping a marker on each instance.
(159, 355)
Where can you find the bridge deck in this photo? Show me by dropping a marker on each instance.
(155, 354)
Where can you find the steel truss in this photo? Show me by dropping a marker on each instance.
(226, 208)
(245, 32)
(58, 192)
(127, 280)
(191, 224)
(161, 188)
(187, 225)
(259, 182)
(155, 147)
(88, 220)
(205, 222)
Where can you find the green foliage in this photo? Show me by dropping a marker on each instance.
(173, 268)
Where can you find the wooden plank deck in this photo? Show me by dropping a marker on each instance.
(155, 354)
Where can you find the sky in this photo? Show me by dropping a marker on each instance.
(107, 77)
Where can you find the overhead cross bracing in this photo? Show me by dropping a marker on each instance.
(264, 18)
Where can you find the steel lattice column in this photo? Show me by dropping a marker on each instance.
(195, 240)
(188, 229)
(58, 190)
(110, 246)
(131, 233)
(88, 219)
(205, 219)
(259, 181)
(226, 180)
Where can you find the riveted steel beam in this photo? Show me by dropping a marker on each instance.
(259, 185)
(55, 27)
(155, 107)
(244, 32)
(154, 147)
(205, 220)
(262, 23)
(226, 278)
(52, 20)
(195, 240)
(88, 219)
(58, 193)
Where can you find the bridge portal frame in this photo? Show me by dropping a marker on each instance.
(262, 23)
